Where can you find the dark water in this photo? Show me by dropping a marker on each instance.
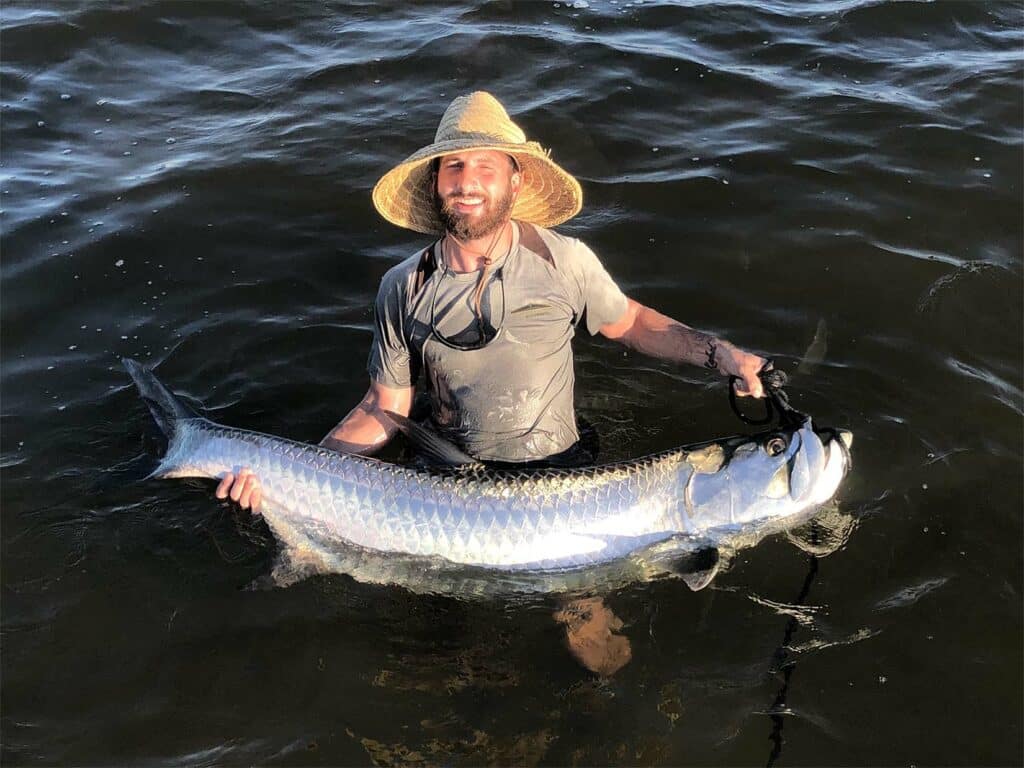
(188, 183)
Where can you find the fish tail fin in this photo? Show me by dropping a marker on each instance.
(167, 409)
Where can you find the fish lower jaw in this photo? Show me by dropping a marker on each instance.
(830, 477)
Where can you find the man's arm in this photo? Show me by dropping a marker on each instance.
(652, 333)
(364, 430)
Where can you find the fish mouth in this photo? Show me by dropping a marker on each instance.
(819, 463)
(836, 443)
(841, 439)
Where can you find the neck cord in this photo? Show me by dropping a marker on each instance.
(482, 280)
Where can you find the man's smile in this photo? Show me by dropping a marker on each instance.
(466, 203)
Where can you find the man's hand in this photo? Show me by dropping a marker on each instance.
(245, 489)
(744, 365)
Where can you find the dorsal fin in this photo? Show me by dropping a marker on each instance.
(431, 444)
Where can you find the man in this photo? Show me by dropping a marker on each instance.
(486, 316)
(487, 313)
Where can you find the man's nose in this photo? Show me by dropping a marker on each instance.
(468, 180)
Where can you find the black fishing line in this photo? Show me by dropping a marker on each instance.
(779, 659)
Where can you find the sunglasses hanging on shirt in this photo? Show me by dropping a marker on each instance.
(484, 329)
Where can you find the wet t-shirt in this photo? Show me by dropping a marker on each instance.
(512, 399)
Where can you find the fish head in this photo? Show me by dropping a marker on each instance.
(771, 475)
(794, 470)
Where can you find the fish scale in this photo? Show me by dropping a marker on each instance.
(499, 519)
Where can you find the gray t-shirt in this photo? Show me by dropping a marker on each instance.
(512, 400)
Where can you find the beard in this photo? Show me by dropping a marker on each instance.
(463, 227)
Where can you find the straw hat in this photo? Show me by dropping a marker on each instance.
(548, 195)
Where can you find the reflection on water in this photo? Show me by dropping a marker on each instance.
(592, 633)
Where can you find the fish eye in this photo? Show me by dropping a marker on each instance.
(775, 445)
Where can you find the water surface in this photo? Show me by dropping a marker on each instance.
(188, 184)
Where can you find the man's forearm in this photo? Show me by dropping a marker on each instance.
(660, 336)
(655, 334)
(366, 429)
(363, 431)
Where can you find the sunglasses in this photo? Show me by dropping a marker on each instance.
(485, 330)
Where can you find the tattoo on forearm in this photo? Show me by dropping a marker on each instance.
(712, 348)
(687, 345)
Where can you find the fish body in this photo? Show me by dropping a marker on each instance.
(511, 521)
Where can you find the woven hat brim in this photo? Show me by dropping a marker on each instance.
(547, 197)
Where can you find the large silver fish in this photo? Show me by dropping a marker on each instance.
(532, 529)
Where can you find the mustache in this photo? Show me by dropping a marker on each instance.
(454, 196)
(493, 211)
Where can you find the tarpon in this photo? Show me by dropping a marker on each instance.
(385, 522)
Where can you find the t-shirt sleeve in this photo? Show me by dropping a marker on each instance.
(391, 361)
(601, 300)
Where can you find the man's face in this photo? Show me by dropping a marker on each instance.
(475, 192)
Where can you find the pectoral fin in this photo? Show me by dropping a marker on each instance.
(432, 445)
(705, 564)
(700, 579)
